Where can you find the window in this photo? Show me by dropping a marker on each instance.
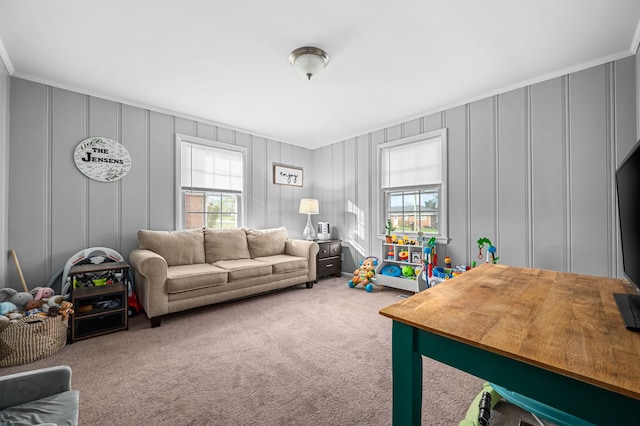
(414, 185)
(210, 183)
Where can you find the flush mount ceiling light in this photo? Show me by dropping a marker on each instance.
(308, 61)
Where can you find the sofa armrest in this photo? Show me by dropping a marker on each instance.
(21, 388)
(150, 281)
(307, 249)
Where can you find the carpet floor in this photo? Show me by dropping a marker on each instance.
(298, 356)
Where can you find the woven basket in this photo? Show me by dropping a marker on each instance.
(31, 338)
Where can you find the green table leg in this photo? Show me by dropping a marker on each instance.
(407, 376)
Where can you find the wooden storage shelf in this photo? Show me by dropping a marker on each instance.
(99, 309)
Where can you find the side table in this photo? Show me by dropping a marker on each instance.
(329, 261)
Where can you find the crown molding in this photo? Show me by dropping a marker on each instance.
(149, 107)
(636, 40)
(4, 56)
(505, 89)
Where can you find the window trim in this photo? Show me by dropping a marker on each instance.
(443, 236)
(179, 213)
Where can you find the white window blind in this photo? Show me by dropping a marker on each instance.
(206, 168)
(413, 164)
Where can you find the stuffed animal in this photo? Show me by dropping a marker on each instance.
(34, 304)
(18, 298)
(55, 300)
(66, 309)
(6, 307)
(53, 311)
(40, 293)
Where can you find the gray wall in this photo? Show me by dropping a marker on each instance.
(531, 169)
(4, 167)
(55, 211)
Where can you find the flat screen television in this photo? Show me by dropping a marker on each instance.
(628, 185)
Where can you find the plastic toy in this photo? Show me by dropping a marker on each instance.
(390, 228)
(479, 412)
(365, 274)
(408, 272)
(491, 251)
(98, 255)
(404, 255)
(429, 257)
(391, 270)
(390, 254)
(447, 262)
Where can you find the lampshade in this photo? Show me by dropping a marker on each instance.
(309, 206)
(308, 61)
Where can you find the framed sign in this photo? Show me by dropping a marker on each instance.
(287, 175)
(102, 159)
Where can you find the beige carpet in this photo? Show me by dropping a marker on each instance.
(300, 356)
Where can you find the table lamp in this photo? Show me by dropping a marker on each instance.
(308, 206)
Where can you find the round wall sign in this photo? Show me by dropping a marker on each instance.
(102, 159)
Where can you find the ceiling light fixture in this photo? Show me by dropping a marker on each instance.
(308, 61)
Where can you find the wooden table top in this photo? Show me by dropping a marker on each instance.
(562, 322)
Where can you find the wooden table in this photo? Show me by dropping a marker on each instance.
(552, 336)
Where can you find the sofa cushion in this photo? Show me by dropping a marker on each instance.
(282, 263)
(244, 268)
(190, 277)
(176, 247)
(266, 242)
(225, 244)
(60, 409)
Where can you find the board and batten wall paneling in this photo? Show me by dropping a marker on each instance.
(624, 137)
(482, 170)
(53, 211)
(530, 200)
(69, 225)
(548, 163)
(29, 211)
(512, 176)
(4, 168)
(349, 205)
(460, 241)
(591, 171)
(134, 202)
(531, 169)
(103, 198)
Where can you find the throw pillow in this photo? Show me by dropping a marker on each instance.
(176, 247)
(266, 242)
(225, 244)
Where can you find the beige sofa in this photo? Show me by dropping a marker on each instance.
(179, 270)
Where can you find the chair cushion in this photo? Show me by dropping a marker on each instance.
(191, 277)
(225, 244)
(282, 263)
(176, 247)
(60, 409)
(266, 242)
(242, 269)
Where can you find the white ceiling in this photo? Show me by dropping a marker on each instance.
(227, 61)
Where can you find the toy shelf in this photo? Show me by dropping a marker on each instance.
(391, 255)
